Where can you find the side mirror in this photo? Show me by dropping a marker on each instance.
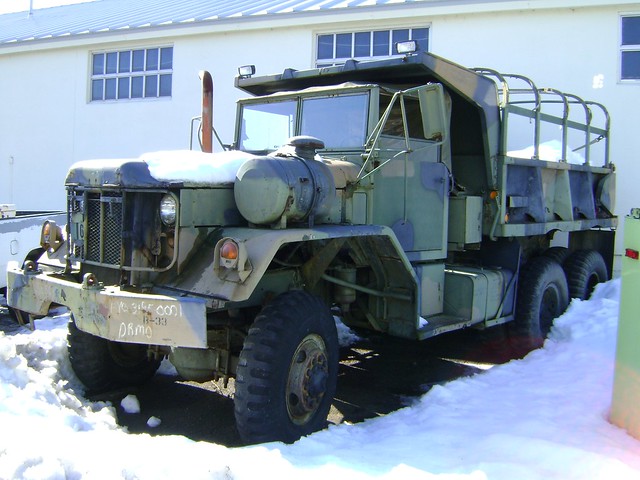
(435, 115)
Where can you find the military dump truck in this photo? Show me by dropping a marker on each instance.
(382, 192)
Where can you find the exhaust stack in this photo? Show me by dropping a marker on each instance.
(207, 111)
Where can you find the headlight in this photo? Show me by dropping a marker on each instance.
(168, 210)
(51, 235)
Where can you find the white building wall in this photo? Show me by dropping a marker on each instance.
(36, 126)
(50, 124)
(575, 51)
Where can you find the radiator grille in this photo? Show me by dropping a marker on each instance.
(104, 224)
(112, 247)
(117, 229)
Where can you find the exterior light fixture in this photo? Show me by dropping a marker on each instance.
(410, 46)
(168, 209)
(246, 71)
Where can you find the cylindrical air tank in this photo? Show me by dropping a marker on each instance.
(289, 183)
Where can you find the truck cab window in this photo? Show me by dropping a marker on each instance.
(339, 121)
(267, 126)
(394, 125)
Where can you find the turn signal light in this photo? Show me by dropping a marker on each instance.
(632, 254)
(232, 260)
(229, 250)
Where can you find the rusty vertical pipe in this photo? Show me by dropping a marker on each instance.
(207, 111)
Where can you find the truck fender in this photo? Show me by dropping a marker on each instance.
(236, 279)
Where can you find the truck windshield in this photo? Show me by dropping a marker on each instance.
(267, 126)
(339, 121)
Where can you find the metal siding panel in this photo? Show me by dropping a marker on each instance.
(110, 15)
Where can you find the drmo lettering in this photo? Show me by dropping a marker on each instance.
(131, 330)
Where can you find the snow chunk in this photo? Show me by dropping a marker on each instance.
(195, 167)
(346, 336)
(167, 368)
(130, 404)
(154, 422)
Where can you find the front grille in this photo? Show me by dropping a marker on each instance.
(112, 234)
(104, 222)
(98, 227)
(119, 229)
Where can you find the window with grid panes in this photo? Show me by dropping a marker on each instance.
(630, 48)
(337, 48)
(131, 74)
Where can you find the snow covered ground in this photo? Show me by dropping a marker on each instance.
(543, 417)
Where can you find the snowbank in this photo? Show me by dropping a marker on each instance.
(543, 417)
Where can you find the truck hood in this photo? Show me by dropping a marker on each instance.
(179, 168)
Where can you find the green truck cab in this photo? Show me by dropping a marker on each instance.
(383, 192)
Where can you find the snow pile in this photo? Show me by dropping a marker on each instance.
(346, 336)
(543, 417)
(39, 403)
(195, 167)
(550, 151)
(540, 417)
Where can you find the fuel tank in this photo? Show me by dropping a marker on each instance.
(290, 185)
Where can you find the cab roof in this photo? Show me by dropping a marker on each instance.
(471, 92)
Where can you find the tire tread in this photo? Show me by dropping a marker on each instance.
(579, 267)
(258, 409)
(526, 332)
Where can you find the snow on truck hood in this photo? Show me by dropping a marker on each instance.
(189, 166)
(185, 167)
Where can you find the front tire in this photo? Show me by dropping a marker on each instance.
(287, 373)
(543, 295)
(103, 365)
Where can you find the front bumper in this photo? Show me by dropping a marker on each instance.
(110, 312)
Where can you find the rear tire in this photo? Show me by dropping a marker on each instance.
(584, 270)
(542, 296)
(103, 365)
(287, 373)
(558, 254)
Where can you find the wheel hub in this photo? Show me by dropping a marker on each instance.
(307, 383)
